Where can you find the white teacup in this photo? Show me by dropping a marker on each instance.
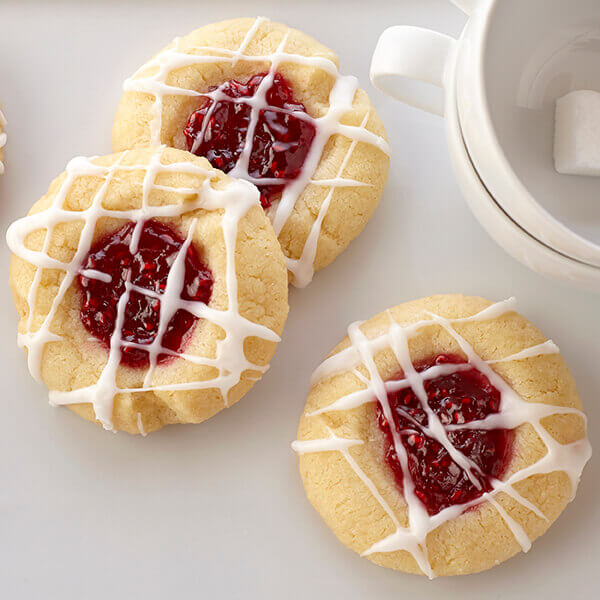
(497, 86)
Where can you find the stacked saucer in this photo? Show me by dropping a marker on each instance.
(500, 82)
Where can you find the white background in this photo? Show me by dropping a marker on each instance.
(218, 510)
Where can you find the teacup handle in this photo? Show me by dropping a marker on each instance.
(411, 65)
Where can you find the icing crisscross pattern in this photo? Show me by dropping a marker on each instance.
(233, 202)
(340, 103)
(514, 411)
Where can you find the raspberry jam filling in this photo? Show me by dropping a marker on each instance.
(281, 138)
(458, 398)
(147, 268)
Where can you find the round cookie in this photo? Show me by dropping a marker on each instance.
(150, 286)
(442, 436)
(266, 103)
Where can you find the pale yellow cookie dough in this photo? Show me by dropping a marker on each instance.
(479, 538)
(350, 206)
(76, 360)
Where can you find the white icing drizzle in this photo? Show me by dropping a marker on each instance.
(3, 124)
(514, 411)
(140, 425)
(340, 102)
(235, 201)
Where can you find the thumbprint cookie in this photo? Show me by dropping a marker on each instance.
(442, 436)
(150, 286)
(266, 103)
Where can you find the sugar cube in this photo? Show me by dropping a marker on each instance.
(577, 133)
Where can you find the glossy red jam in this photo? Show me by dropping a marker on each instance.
(148, 268)
(461, 397)
(281, 139)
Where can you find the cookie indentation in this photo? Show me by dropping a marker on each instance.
(145, 263)
(281, 132)
(456, 399)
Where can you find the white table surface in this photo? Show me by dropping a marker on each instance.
(218, 510)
